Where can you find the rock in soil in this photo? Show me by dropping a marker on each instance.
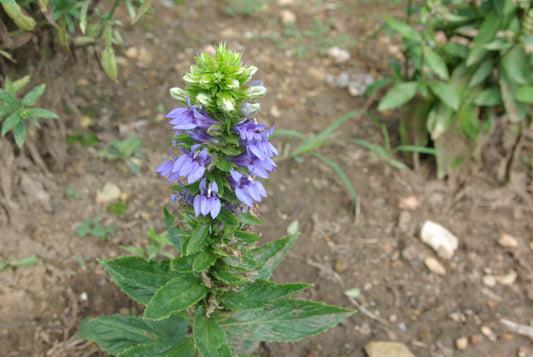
(440, 239)
(387, 349)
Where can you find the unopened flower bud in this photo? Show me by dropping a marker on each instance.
(250, 109)
(179, 94)
(226, 102)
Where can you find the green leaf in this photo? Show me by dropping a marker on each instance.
(25, 262)
(246, 237)
(210, 338)
(227, 217)
(288, 132)
(229, 278)
(259, 293)
(525, 94)
(344, 178)
(377, 85)
(31, 97)
(19, 133)
(514, 109)
(486, 33)
(10, 122)
(403, 29)
(439, 119)
(515, 63)
(19, 83)
(248, 219)
(42, 113)
(398, 95)
(203, 261)
(138, 277)
(9, 99)
(469, 120)
(118, 333)
(114, 333)
(284, 321)
(183, 264)
(83, 15)
(163, 348)
(198, 238)
(446, 93)
(18, 15)
(271, 254)
(489, 97)
(109, 63)
(481, 73)
(436, 63)
(176, 295)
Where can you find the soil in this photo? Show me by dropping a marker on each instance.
(374, 247)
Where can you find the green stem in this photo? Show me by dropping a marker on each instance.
(115, 4)
(408, 22)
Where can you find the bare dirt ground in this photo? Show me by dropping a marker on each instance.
(375, 247)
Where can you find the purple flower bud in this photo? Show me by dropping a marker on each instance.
(190, 118)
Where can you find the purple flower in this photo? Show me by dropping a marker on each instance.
(246, 189)
(207, 202)
(255, 165)
(191, 164)
(184, 195)
(254, 137)
(190, 118)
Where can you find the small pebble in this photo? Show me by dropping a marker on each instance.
(489, 280)
(461, 343)
(507, 241)
(287, 17)
(476, 340)
(434, 266)
(408, 203)
(507, 279)
(488, 333)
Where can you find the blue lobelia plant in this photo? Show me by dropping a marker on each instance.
(215, 299)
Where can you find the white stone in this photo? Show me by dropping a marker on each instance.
(439, 238)
(339, 55)
(461, 343)
(435, 266)
(287, 17)
(387, 349)
(489, 280)
(507, 279)
(508, 241)
(110, 192)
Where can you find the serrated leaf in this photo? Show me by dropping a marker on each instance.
(229, 278)
(246, 237)
(203, 261)
(9, 99)
(10, 122)
(436, 63)
(109, 63)
(163, 348)
(403, 29)
(481, 73)
(42, 113)
(259, 293)
(525, 94)
(176, 295)
(83, 16)
(227, 217)
(183, 264)
(31, 97)
(489, 97)
(271, 254)
(398, 95)
(446, 93)
(248, 219)
(284, 321)
(18, 15)
(486, 33)
(19, 83)
(210, 338)
(19, 133)
(137, 277)
(118, 333)
(198, 239)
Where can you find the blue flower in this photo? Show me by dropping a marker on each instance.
(254, 137)
(191, 164)
(255, 165)
(246, 189)
(207, 202)
(190, 118)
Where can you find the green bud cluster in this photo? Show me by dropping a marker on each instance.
(219, 83)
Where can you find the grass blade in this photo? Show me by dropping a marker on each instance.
(344, 178)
